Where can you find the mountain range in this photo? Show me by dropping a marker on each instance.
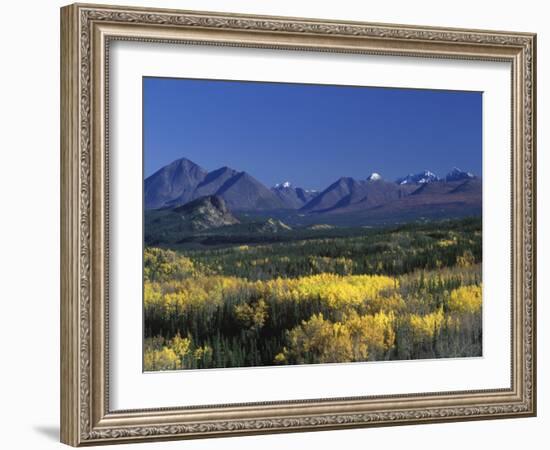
(183, 181)
(414, 195)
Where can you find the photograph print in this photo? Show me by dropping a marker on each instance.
(290, 224)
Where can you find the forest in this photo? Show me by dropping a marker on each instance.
(365, 294)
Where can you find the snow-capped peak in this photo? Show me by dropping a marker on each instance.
(456, 174)
(284, 185)
(374, 176)
(423, 177)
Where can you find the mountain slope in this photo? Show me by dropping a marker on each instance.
(244, 192)
(425, 176)
(183, 181)
(456, 175)
(347, 191)
(205, 213)
(214, 181)
(305, 195)
(332, 195)
(177, 180)
(171, 225)
(293, 197)
(430, 200)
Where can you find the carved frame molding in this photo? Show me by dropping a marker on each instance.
(86, 31)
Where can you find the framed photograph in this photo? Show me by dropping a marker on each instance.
(275, 224)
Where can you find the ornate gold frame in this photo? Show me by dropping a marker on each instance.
(86, 31)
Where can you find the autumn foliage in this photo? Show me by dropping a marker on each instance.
(398, 295)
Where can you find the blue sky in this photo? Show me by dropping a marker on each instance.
(309, 134)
